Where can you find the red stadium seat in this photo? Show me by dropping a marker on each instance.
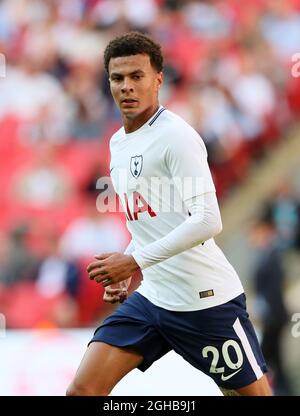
(89, 297)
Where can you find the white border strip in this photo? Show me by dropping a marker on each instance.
(247, 347)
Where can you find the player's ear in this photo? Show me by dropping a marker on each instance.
(159, 80)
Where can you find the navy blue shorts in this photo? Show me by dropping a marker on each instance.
(219, 341)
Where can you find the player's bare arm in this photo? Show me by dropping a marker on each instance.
(110, 268)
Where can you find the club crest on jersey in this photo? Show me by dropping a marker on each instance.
(136, 165)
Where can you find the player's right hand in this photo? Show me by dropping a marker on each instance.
(114, 295)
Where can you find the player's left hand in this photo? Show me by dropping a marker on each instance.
(112, 268)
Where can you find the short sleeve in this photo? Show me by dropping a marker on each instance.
(186, 160)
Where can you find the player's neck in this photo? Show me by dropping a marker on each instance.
(133, 124)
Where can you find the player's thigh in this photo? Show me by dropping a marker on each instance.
(101, 368)
(260, 387)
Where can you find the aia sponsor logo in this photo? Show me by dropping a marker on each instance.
(139, 205)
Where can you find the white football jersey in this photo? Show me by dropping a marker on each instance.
(153, 170)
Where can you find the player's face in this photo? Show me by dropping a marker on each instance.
(134, 85)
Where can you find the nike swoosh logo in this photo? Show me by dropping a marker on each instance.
(225, 378)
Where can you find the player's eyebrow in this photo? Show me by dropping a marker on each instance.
(136, 72)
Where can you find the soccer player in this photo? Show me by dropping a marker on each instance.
(190, 299)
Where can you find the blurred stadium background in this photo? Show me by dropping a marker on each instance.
(228, 72)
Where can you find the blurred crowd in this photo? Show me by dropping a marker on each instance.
(274, 234)
(227, 72)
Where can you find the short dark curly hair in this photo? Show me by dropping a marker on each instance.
(134, 43)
